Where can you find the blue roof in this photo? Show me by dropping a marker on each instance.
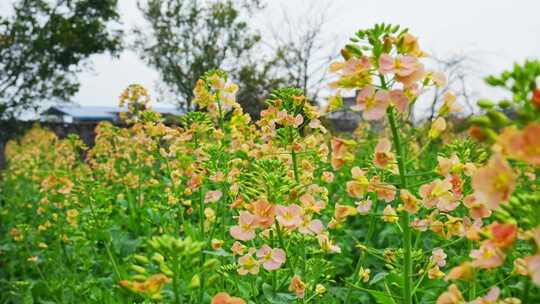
(101, 113)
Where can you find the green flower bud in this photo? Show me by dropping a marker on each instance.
(141, 259)
(485, 104)
(195, 282)
(166, 270)
(158, 258)
(211, 263)
(498, 118)
(138, 269)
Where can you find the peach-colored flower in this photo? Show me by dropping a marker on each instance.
(494, 183)
(264, 213)
(216, 244)
(311, 226)
(490, 298)
(341, 212)
(439, 79)
(503, 235)
(477, 210)
(297, 286)
(327, 176)
(237, 248)
(400, 100)
(435, 273)
(245, 230)
(340, 152)
(446, 166)
(463, 271)
(523, 144)
(289, 217)
(437, 193)
(449, 104)
(248, 264)
(420, 224)
(437, 127)
(438, 257)
(225, 298)
(487, 256)
(372, 103)
(358, 186)
(410, 202)
(401, 66)
(412, 79)
(383, 155)
(364, 206)
(520, 267)
(452, 296)
(385, 192)
(309, 203)
(212, 196)
(389, 214)
(533, 266)
(271, 259)
(326, 244)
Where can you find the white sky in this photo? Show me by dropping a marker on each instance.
(499, 32)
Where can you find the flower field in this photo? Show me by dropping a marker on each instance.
(222, 209)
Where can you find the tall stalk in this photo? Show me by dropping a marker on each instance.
(404, 216)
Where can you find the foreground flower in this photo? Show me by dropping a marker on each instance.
(438, 257)
(248, 264)
(271, 259)
(452, 296)
(359, 185)
(533, 267)
(487, 256)
(495, 182)
(383, 155)
(151, 287)
(245, 230)
(503, 235)
(264, 213)
(364, 206)
(523, 144)
(225, 298)
(289, 217)
(490, 298)
(373, 104)
(401, 66)
(298, 287)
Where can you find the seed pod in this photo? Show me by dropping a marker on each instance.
(138, 269)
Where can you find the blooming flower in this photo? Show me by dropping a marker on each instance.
(463, 271)
(435, 273)
(212, 196)
(437, 193)
(523, 144)
(264, 213)
(410, 202)
(389, 214)
(245, 230)
(452, 296)
(358, 186)
(487, 256)
(477, 210)
(326, 244)
(384, 192)
(494, 183)
(364, 206)
(271, 259)
(309, 203)
(248, 264)
(297, 286)
(437, 127)
(237, 248)
(383, 157)
(438, 257)
(289, 217)
(373, 103)
(225, 298)
(311, 226)
(533, 266)
(490, 298)
(502, 235)
(401, 66)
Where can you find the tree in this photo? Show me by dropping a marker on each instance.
(45, 43)
(302, 50)
(187, 38)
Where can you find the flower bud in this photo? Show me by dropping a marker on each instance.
(195, 282)
(138, 269)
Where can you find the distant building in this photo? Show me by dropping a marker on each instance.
(77, 114)
(344, 119)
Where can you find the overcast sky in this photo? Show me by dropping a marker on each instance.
(497, 32)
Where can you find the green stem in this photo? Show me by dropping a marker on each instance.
(404, 216)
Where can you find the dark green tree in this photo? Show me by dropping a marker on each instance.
(187, 38)
(45, 43)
